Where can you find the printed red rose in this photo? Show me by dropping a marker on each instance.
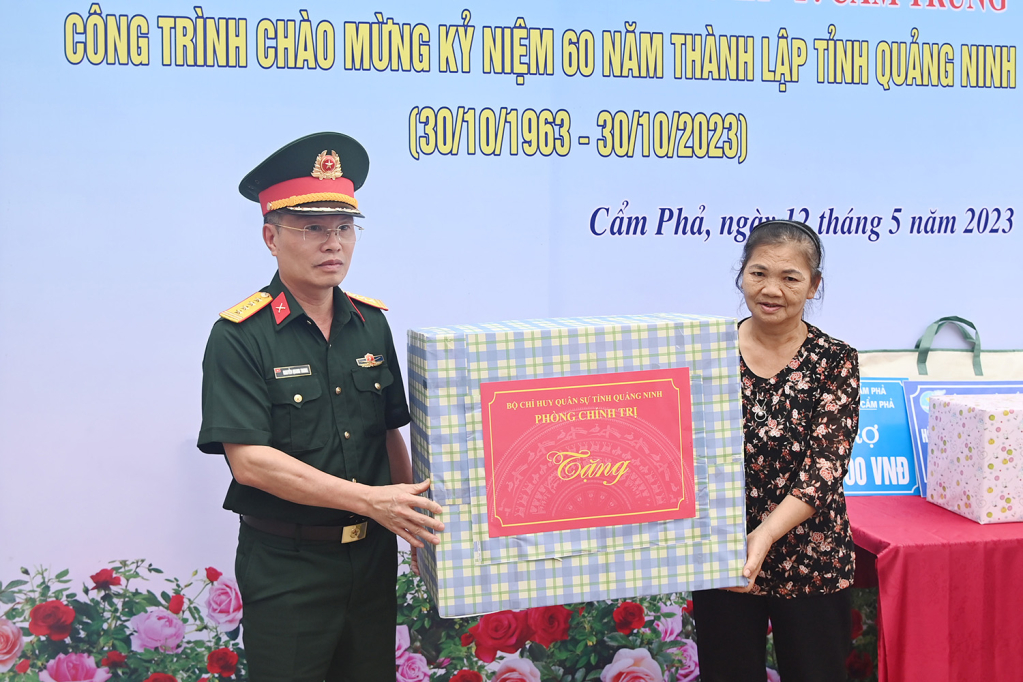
(688, 608)
(23, 666)
(161, 677)
(176, 603)
(467, 676)
(52, 618)
(114, 659)
(222, 662)
(857, 624)
(549, 624)
(104, 579)
(505, 631)
(467, 639)
(212, 574)
(628, 617)
(859, 665)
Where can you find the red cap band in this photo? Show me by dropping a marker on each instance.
(306, 190)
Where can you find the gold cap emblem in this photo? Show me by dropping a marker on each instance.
(327, 166)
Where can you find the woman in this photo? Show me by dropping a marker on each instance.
(800, 399)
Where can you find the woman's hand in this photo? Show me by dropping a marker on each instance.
(758, 544)
(790, 513)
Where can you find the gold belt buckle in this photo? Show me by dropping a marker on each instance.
(354, 533)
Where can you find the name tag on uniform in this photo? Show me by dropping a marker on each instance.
(293, 371)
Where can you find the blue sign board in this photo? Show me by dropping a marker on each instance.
(882, 457)
(918, 394)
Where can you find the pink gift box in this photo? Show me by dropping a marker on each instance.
(975, 456)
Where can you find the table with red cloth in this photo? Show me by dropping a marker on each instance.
(950, 591)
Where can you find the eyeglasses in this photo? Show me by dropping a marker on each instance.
(347, 233)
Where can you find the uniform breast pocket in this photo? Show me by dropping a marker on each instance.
(371, 382)
(300, 415)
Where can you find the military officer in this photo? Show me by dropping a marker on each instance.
(303, 394)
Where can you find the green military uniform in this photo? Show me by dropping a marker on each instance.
(313, 608)
(284, 385)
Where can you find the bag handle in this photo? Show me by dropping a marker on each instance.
(925, 342)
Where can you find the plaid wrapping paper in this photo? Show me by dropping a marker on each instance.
(471, 573)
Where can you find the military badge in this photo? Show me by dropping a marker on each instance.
(327, 166)
(370, 360)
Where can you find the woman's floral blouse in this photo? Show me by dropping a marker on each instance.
(799, 427)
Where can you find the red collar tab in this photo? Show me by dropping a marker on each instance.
(280, 308)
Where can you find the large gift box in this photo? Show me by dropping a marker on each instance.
(975, 468)
(579, 459)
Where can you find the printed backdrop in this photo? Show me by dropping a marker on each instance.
(529, 159)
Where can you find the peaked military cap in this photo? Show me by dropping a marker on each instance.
(315, 168)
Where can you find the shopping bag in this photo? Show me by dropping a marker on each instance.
(924, 361)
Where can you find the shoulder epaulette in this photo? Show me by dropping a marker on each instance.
(375, 302)
(247, 308)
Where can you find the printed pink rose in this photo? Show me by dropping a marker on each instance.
(157, 628)
(688, 666)
(773, 676)
(632, 665)
(212, 574)
(549, 624)
(670, 627)
(516, 670)
(176, 603)
(224, 604)
(412, 667)
(505, 631)
(73, 668)
(104, 579)
(401, 640)
(12, 643)
(51, 618)
(628, 617)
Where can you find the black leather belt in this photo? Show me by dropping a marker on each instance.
(355, 530)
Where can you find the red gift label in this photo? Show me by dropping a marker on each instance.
(588, 451)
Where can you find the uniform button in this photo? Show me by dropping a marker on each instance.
(347, 435)
(376, 386)
(337, 390)
(354, 481)
(298, 397)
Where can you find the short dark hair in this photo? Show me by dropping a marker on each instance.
(775, 232)
(273, 218)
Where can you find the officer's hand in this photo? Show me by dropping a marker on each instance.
(394, 508)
